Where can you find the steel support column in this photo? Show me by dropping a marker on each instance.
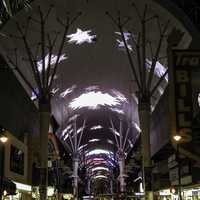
(144, 110)
(75, 177)
(121, 173)
(44, 111)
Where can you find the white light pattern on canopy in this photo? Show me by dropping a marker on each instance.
(66, 130)
(94, 140)
(117, 110)
(54, 90)
(121, 44)
(96, 127)
(115, 132)
(66, 136)
(110, 141)
(81, 36)
(33, 96)
(99, 168)
(92, 88)
(130, 143)
(159, 69)
(74, 117)
(119, 95)
(79, 130)
(198, 99)
(68, 91)
(100, 176)
(94, 99)
(137, 127)
(82, 146)
(160, 90)
(53, 61)
(99, 151)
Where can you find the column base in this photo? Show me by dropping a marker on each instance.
(149, 195)
(43, 192)
(43, 184)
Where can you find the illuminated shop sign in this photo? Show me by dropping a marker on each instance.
(182, 64)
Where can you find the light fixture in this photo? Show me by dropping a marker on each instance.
(5, 193)
(177, 138)
(173, 190)
(3, 138)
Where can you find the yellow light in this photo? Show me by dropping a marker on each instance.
(3, 139)
(50, 191)
(177, 138)
(67, 196)
(4, 192)
(173, 191)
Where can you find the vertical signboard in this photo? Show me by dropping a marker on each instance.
(182, 63)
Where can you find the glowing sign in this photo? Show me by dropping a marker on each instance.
(21, 186)
(81, 36)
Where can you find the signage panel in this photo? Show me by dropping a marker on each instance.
(182, 64)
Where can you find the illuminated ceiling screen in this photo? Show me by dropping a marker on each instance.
(94, 99)
(81, 37)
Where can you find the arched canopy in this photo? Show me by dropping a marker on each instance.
(94, 81)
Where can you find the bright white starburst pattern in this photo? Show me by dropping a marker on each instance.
(81, 36)
(93, 100)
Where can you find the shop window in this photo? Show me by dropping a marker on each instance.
(16, 160)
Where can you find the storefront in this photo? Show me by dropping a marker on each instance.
(51, 193)
(188, 193)
(23, 192)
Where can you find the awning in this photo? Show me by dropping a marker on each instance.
(9, 186)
